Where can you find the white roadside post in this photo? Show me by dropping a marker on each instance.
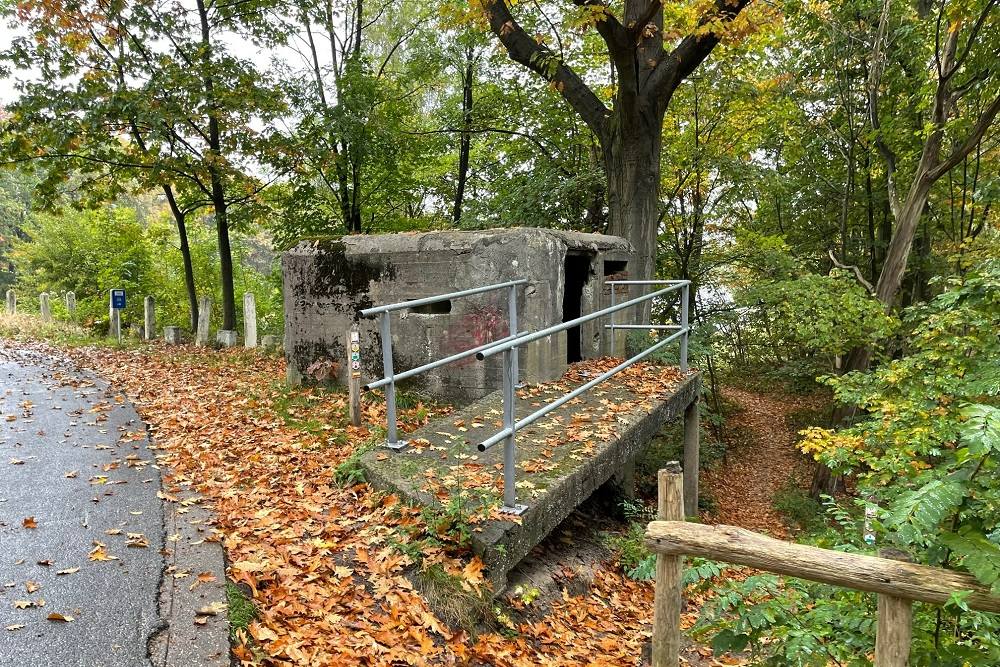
(204, 320)
(149, 318)
(43, 305)
(249, 320)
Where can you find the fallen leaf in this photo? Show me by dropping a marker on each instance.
(30, 522)
(65, 618)
(69, 570)
(99, 553)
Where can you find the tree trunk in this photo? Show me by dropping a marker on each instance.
(225, 263)
(214, 155)
(902, 240)
(631, 151)
(181, 219)
(465, 143)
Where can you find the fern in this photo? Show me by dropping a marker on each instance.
(979, 556)
(921, 511)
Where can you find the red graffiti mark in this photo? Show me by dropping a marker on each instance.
(478, 326)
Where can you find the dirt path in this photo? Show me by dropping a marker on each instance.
(760, 459)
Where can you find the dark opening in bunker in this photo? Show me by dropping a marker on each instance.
(437, 308)
(613, 267)
(577, 273)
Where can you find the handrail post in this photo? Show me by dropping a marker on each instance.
(390, 389)
(611, 348)
(685, 294)
(669, 571)
(512, 330)
(895, 623)
(510, 505)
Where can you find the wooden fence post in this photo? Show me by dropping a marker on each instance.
(669, 569)
(692, 458)
(895, 624)
(354, 374)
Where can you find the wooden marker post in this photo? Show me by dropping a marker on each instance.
(669, 570)
(692, 458)
(895, 624)
(354, 374)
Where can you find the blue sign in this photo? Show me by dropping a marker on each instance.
(118, 299)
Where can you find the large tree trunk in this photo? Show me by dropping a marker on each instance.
(214, 155)
(631, 151)
(225, 262)
(181, 219)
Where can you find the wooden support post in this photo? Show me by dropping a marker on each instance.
(669, 570)
(354, 374)
(692, 458)
(895, 624)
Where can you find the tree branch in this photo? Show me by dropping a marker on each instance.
(610, 28)
(857, 272)
(971, 141)
(540, 60)
(691, 52)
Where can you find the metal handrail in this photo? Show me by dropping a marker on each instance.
(684, 311)
(435, 364)
(426, 301)
(509, 350)
(391, 377)
(566, 398)
(526, 338)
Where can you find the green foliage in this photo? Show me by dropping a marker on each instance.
(631, 552)
(90, 252)
(815, 316)
(924, 451)
(242, 610)
(798, 508)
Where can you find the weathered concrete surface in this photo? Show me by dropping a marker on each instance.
(561, 459)
(326, 284)
(225, 337)
(204, 321)
(249, 320)
(172, 335)
(43, 306)
(149, 318)
(193, 579)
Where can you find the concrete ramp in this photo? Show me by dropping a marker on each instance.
(561, 459)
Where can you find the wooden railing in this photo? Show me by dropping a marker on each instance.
(898, 583)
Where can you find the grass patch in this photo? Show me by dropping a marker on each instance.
(242, 612)
(23, 327)
(799, 510)
(452, 603)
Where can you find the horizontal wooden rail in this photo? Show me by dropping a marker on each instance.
(897, 582)
(858, 571)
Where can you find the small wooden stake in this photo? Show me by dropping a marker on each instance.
(692, 458)
(669, 569)
(895, 624)
(354, 374)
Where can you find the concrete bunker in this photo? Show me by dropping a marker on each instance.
(326, 284)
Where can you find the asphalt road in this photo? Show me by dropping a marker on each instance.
(74, 463)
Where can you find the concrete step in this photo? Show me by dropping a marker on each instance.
(561, 459)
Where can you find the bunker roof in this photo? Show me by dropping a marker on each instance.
(459, 240)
